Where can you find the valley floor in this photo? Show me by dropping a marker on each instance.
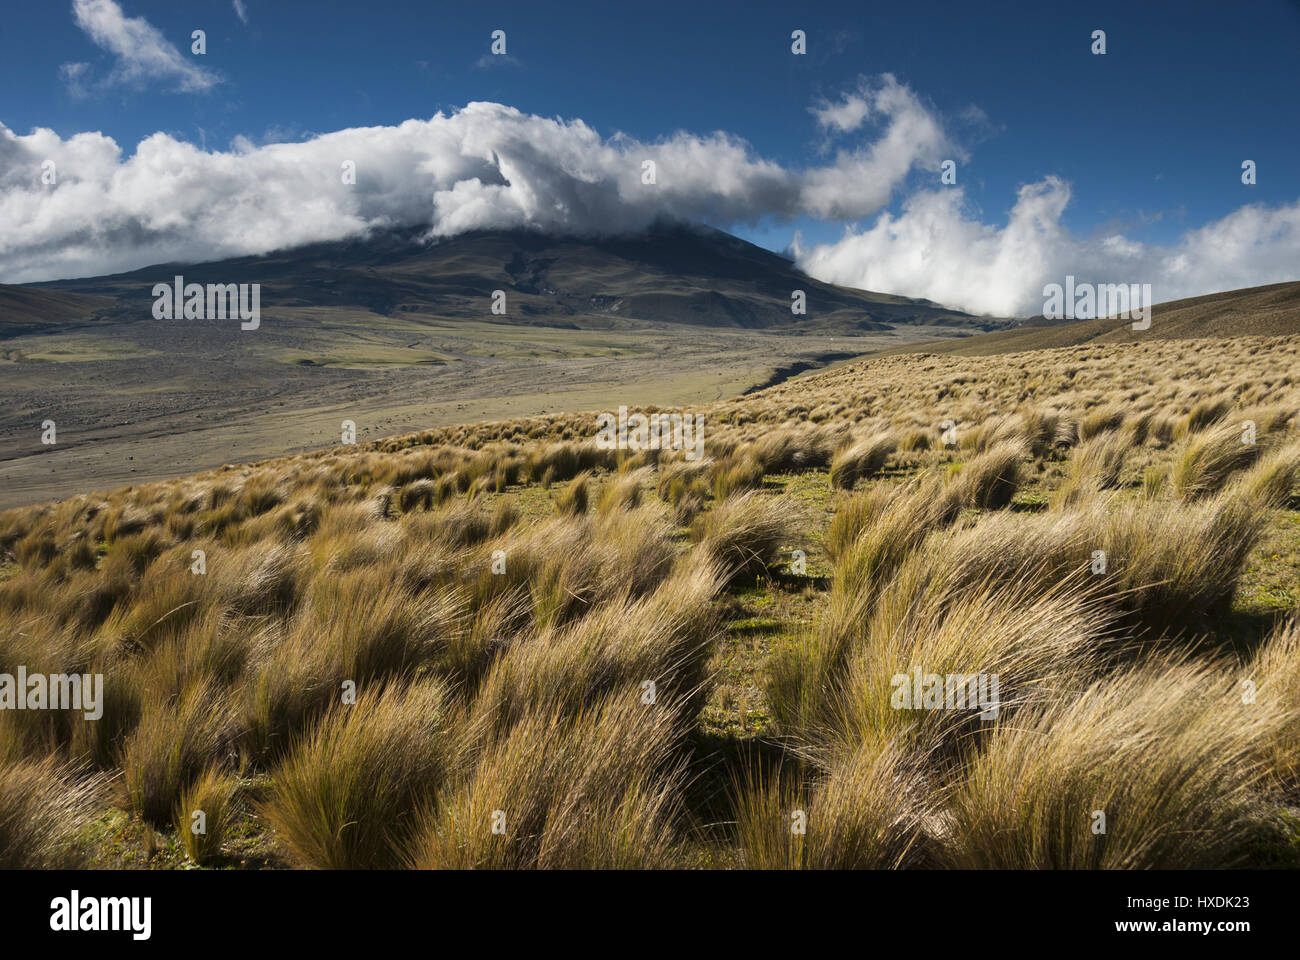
(148, 400)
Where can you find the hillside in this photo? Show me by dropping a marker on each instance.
(1272, 310)
(33, 309)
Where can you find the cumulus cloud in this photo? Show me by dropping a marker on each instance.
(937, 250)
(141, 53)
(484, 166)
(490, 166)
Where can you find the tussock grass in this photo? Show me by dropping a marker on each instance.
(345, 795)
(1270, 482)
(865, 812)
(567, 565)
(790, 450)
(1210, 458)
(836, 687)
(853, 515)
(1275, 673)
(1203, 414)
(624, 492)
(736, 475)
(745, 534)
(916, 441)
(1098, 421)
(571, 658)
(684, 485)
(170, 746)
(989, 481)
(1039, 428)
(657, 643)
(860, 459)
(44, 808)
(1153, 482)
(1095, 465)
(600, 791)
(360, 626)
(558, 462)
(212, 795)
(891, 525)
(979, 437)
(1160, 561)
(1167, 754)
(573, 500)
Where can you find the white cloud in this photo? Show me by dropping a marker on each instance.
(491, 166)
(484, 166)
(141, 53)
(935, 249)
(861, 181)
(240, 11)
(847, 115)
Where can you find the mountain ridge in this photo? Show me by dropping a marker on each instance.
(670, 273)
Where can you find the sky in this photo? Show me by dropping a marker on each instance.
(121, 147)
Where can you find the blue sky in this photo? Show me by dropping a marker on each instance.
(1149, 138)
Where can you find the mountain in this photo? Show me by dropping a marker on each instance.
(678, 274)
(1272, 310)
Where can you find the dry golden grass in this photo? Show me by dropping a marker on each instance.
(1275, 675)
(860, 459)
(599, 790)
(1153, 767)
(44, 807)
(204, 813)
(497, 645)
(344, 797)
(864, 812)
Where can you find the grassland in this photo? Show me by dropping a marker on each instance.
(496, 645)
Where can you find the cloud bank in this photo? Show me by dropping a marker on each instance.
(485, 166)
(935, 249)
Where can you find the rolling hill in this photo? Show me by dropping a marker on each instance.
(1272, 310)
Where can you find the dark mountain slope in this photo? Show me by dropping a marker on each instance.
(673, 273)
